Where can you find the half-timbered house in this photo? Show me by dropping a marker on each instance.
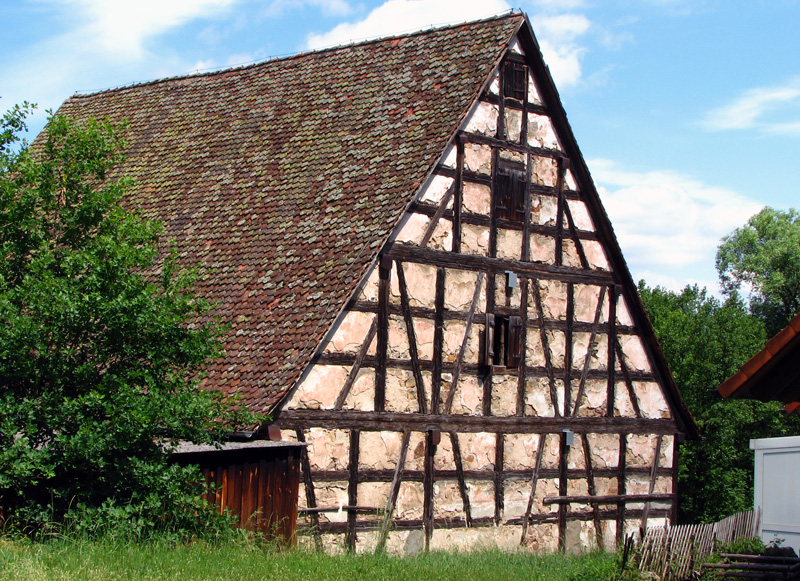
(421, 284)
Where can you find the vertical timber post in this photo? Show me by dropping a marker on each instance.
(563, 456)
(352, 490)
(427, 488)
(383, 333)
(621, 487)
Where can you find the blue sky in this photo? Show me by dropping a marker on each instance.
(687, 111)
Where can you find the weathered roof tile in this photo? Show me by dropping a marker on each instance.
(289, 174)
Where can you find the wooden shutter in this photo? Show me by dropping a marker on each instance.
(515, 77)
(489, 338)
(510, 191)
(514, 343)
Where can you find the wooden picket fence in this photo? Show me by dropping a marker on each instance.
(673, 553)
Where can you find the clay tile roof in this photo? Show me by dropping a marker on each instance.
(283, 179)
(772, 374)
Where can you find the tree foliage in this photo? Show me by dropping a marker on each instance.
(705, 341)
(764, 255)
(100, 343)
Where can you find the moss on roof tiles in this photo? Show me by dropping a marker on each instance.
(297, 168)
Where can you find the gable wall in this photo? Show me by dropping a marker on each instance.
(404, 374)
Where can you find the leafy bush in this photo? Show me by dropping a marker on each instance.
(101, 339)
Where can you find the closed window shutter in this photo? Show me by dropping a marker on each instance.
(515, 80)
(511, 190)
(514, 344)
(489, 348)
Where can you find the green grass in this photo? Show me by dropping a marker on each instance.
(108, 560)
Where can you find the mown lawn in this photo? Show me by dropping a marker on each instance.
(85, 561)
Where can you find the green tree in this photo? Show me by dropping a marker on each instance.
(705, 341)
(764, 255)
(100, 343)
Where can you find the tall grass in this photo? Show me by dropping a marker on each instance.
(87, 560)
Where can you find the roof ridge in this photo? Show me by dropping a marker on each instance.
(210, 73)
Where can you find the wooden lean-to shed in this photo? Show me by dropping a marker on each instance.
(421, 285)
(256, 481)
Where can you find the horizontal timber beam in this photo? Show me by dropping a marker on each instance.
(451, 315)
(486, 180)
(483, 220)
(493, 142)
(483, 522)
(395, 421)
(386, 475)
(510, 103)
(348, 359)
(343, 508)
(409, 253)
(609, 498)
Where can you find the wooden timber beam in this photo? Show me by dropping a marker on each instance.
(501, 144)
(537, 299)
(428, 523)
(479, 178)
(352, 490)
(453, 315)
(653, 477)
(308, 486)
(397, 421)
(587, 458)
(441, 258)
(523, 359)
(563, 485)
(534, 481)
(412, 339)
(499, 488)
(383, 334)
(438, 212)
(356, 367)
(612, 339)
(622, 486)
(459, 523)
(387, 475)
(438, 341)
(348, 359)
(394, 490)
(509, 103)
(456, 374)
(462, 483)
(609, 499)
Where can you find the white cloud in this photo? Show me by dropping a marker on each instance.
(121, 26)
(749, 110)
(677, 283)
(557, 36)
(102, 43)
(328, 7)
(668, 223)
(557, 33)
(558, 4)
(401, 16)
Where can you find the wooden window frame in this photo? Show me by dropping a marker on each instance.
(503, 340)
(515, 80)
(511, 190)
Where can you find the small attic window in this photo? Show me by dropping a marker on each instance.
(515, 80)
(503, 340)
(510, 191)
